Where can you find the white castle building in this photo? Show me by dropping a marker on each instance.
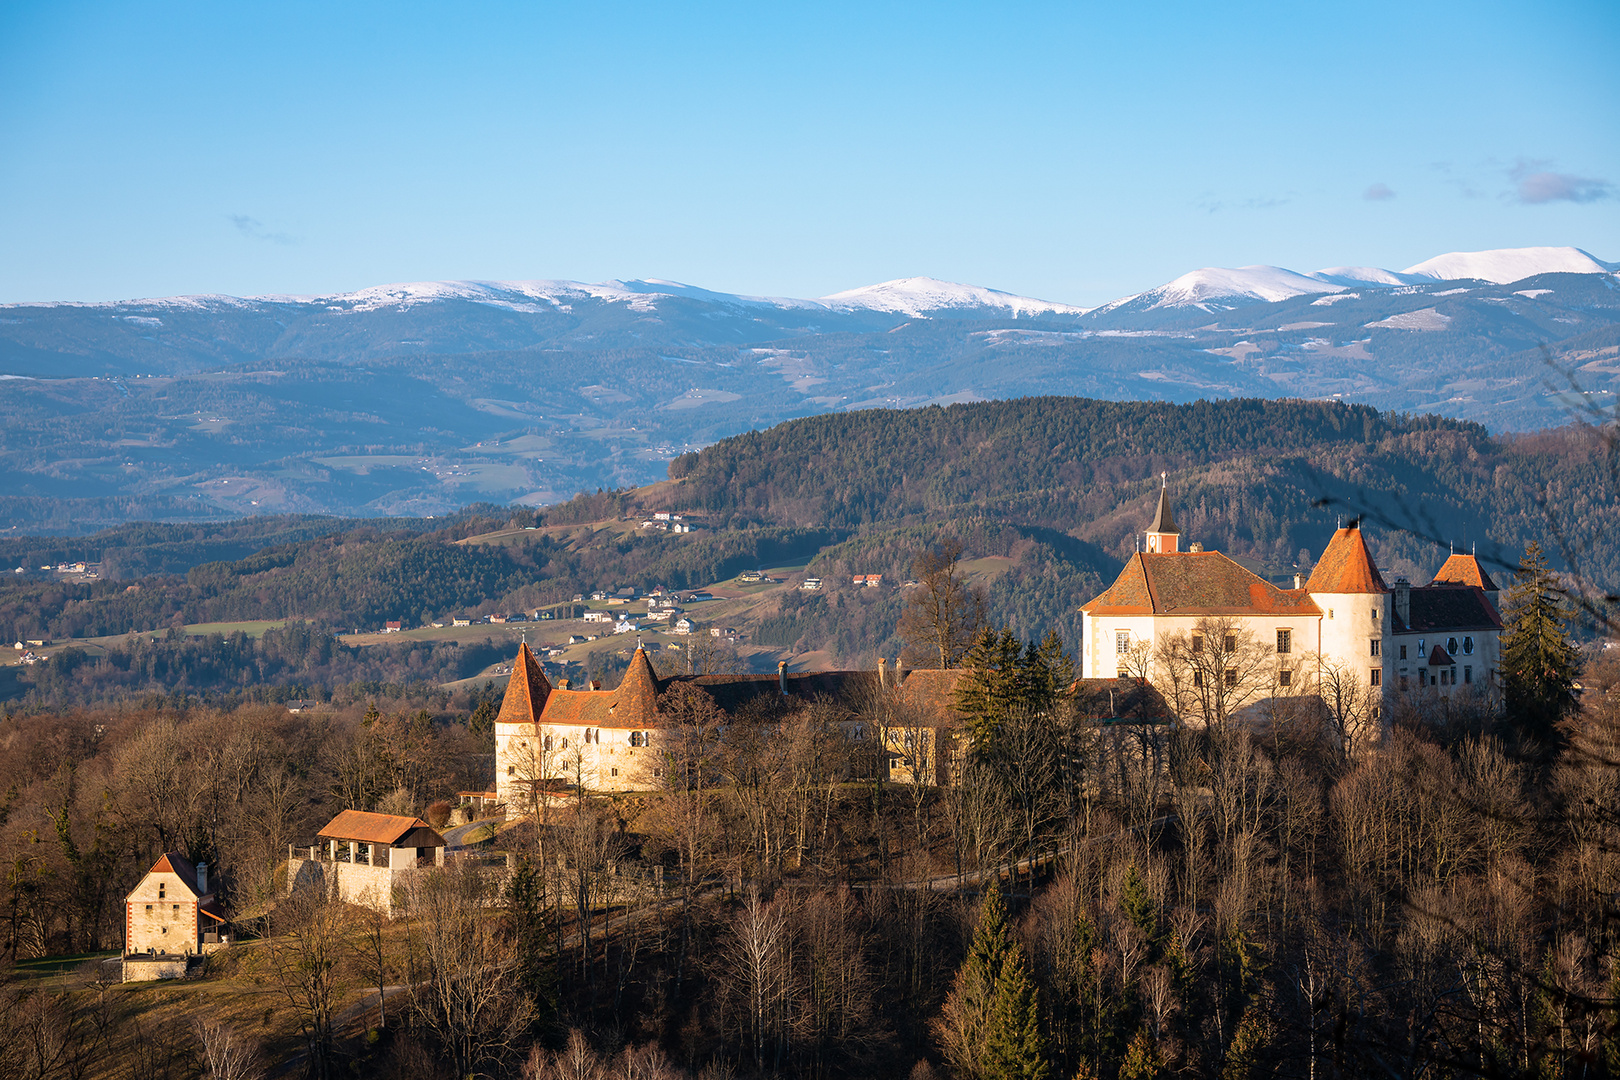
(1439, 639)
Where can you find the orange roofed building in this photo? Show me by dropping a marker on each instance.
(557, 737)
(1441, 638)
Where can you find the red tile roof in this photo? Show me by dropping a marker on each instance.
(372, 828)
(1465, 570)
(172, 862)
(1195, 583)
(1438, 657)
(1346, 566)
(526, 690)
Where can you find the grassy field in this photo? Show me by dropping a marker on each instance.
(253, 628)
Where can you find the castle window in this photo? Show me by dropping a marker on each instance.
(1377, 677)
(161, 887)
(1198, 678)
(1376, 646)
(1285, 641)
(1422, 652)
(1468, 674)
(511, 770)
(638, 738)
(1231, 643)
(565, 743)
(1285, 677)
(1445, 677)
(1376, 613)
(1122, 641)
(1403, 652)
(1451, 646)
(546, 743)
(615, 772)
(1330, 613)
(1468, 646)
(148, 907)
(1231, 677)
(1198, 643)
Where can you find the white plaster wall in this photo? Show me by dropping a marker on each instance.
(171, 923)
(1347, 634)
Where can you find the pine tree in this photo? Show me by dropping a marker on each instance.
(996, 682)
(1538, 661)
(965, 1018)
(1015, 1045)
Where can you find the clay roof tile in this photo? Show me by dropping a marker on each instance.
(526, 690)
(1465, 570)
(1346, 566)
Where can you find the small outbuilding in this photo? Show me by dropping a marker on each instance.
(366, 854)
(171, 917)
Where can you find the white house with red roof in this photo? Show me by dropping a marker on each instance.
(1441, 638)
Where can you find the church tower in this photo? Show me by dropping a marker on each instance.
(1163, 537)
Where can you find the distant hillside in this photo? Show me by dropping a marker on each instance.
(1263, 480)
(420, 399)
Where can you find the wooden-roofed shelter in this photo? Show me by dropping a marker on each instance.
(402, 842)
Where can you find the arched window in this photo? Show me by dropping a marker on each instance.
(547, 742)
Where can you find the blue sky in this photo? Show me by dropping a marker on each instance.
(1073, 152)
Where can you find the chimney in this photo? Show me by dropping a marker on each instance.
(781, 676)
(1299, 581)
(562, 684)
(899, 672)
(883, 674)
(1403, 601)
(202, 878)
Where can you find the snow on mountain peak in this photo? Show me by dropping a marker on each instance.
(1504, 265)
(1214, 283)
(921, 297)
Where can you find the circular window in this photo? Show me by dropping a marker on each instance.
(1468, 646)
(1451, 646)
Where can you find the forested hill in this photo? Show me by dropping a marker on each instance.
(1263, 480)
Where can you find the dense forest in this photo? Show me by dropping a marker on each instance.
(1165, 896)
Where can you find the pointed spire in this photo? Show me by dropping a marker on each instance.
(636, 699)
(526, 690)
(1164, 521)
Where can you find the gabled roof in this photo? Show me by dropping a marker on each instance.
(1346, 566)
(1465, 570)
(1448, 607)
(526, 690)
(172, 862)
(369, 828)
(1438, 657)
(1195, 583)
(1164, 521)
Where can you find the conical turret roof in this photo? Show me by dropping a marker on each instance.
(1346, 566)
(526, 690)
(637, 695)
(1164, 521)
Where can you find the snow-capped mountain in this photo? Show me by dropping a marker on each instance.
(1506, 265)
(925, 297)
(1221, 289)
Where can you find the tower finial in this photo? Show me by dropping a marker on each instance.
(1164, 479)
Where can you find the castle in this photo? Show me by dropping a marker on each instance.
(614, 740)
(1344, 625)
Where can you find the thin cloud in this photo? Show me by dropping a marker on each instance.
(1213, 205)
(1378, 193)
(1534, 184)
(254, 229)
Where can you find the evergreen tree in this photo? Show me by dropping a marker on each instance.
(966, 1017)
(996, 682)
(1538, 661)
(1015, 1045)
